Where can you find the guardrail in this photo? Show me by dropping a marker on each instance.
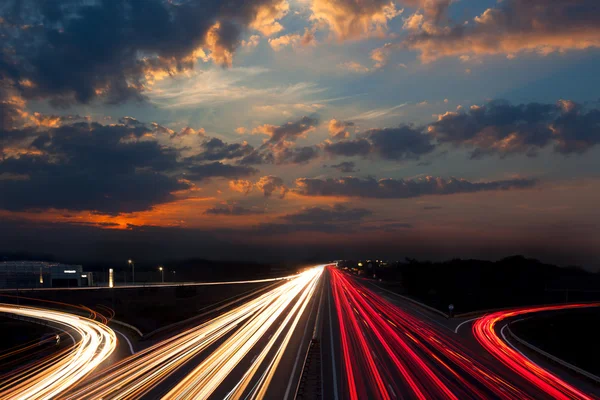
(553, 358)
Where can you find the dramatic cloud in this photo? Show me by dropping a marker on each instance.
(339, 129)
(353, 19)
(215, 149)
(381, 56)
(501, 128)
(334, 219)
(241, 186)
(296, 155)
(78, 51)
(88, 166)
(514, 26)
(266, 18)
(293, 40)
(280, 147)
(337, 213)
(349, 148)
(218, 170)
(232, 210)
(270, 185)
(289, 131)
(403, 143)
(401, 188)
(345, 167)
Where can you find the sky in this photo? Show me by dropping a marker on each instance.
(300, 129)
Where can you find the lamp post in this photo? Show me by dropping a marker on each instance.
(162, 273)
(132, 271)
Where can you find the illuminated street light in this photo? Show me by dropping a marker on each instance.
(132, 271)
(162, 273)
(111, 282)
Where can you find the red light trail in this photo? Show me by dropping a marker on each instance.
(387, 352)
(484, 330)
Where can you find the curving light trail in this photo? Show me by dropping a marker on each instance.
(54, 375)
(236, 331)
(484, 330)
(388, 352)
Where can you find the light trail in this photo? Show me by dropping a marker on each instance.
(205, 378)
(54, 375)
(266, 280)
(484, 330)
(388, 351)
(239, 330)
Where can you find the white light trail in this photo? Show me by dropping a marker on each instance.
(54, 375)
(241, 328)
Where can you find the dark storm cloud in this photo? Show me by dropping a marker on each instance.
(289, 131)
(218, 169)
(104, 168)
(402, 143)
(69, 50)
(90, 167)
(501, 128)
(258, 157)
(337, 213)
(299, 155)
(349, 148)
(232, 210)
(215, 149)
(401, 188)
(336, 219)
(345, 167)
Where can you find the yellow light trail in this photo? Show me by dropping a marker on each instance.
(240, 328)
(205, 378)
(54, 375)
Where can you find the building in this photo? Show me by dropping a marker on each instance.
(32, 274)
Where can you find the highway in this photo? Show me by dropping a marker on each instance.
(376, 348)
(365, 343)
(93, 342)
(264, 325)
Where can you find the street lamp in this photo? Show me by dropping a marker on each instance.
(162, 274)
(132, 271)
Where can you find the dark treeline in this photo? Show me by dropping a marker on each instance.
(475, 284)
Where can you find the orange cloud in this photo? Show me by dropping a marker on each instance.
(241, 186)
(353, 66)
(219, 53)
(515, 26)
(354, 19)
(267, 15)
(293, 40)
(339, 129)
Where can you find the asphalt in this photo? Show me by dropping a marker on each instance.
(465, 338)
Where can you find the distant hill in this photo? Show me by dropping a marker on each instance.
(476, 284)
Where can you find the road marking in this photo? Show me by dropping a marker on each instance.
(392, 390)
(512, 345)
(335, 390)
(127, 340)
(464, 322)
